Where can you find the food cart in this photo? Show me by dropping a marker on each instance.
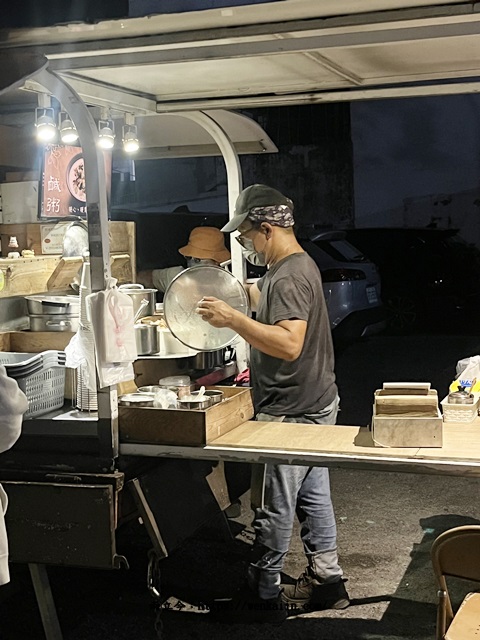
(208, 66)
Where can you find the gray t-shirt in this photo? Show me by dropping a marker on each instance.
(292, 290)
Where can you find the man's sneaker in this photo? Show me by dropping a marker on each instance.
(247, 607)
(309, 594)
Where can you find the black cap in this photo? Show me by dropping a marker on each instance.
(257, 195)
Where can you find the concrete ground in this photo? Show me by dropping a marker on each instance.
(386, 523)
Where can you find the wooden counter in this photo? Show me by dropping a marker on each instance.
(331, 446)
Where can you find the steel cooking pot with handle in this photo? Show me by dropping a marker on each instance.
(57, 322)
(53, 305)
(138, 293)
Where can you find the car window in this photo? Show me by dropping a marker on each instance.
(340, 250)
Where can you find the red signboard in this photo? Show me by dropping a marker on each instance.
(63, 181)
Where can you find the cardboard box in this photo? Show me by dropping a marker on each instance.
(407, 420)
(185, 427)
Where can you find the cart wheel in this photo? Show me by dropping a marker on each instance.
(153, 585)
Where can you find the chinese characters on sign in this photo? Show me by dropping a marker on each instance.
(63, 184)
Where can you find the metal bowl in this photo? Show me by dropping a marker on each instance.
(136, 400)
(215, 395)
(192, 401)
(149, 388)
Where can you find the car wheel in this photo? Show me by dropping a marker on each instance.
(402, 312)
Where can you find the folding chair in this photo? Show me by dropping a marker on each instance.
(456, 553)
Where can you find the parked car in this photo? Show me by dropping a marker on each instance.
(351, 284)
(429, 276)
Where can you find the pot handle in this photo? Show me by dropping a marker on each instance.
(133, 286)
(61, 323)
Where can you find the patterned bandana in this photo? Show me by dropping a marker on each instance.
(278, 215)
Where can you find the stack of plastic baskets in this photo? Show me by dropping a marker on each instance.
(41, 377)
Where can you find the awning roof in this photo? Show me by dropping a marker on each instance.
(289, 52)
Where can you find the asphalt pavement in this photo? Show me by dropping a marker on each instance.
(386, 524)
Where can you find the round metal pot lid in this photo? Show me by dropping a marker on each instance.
(181, 300)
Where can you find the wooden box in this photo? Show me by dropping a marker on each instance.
(186, 427)
(407, 420)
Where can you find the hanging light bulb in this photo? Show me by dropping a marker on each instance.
(130, 135)
(45, 124)
(106, 134)
(68, 131)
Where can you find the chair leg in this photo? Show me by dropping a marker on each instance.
(441, 615)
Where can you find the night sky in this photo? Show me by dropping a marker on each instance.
(412, 147)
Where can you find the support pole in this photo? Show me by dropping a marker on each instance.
(234, 181)
(46, 605)
(98, 238)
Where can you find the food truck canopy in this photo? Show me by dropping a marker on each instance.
(289, 52)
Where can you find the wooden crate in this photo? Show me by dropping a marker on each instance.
(186, 427)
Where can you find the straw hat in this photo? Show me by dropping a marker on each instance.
(206, 242)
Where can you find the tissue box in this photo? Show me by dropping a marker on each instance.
(407, 419)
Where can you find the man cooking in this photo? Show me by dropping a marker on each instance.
(206, 245)
(293, 381)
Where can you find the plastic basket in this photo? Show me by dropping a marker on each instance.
(459, 412)
(40, 376)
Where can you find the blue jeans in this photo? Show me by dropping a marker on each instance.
(291, 489)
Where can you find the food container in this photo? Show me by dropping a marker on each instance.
(182, 385)
(55, 322)
(149, 388)
(457, 412)
(138, 293)
(53, 305)
(194, 401)
(215, 396)
(136, 400)
(461, 397)
(146, 339)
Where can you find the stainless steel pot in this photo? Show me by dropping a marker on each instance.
(55, 322)
(137, 293)
(209, 359)
(53, 305)
(146, 338)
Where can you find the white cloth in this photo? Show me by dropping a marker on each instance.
(13, 404)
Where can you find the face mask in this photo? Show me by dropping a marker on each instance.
(254, 257)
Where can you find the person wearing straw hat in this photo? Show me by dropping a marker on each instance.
(206, 245)
(293, 380)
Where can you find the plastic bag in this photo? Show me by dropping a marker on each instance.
(111, 317)
(468, 370)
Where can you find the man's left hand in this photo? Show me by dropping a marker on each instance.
(216, 312)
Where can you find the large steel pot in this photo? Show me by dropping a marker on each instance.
(146, 338)
(53, 305)
(57, 322)
(138, 293)
(204, 360)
